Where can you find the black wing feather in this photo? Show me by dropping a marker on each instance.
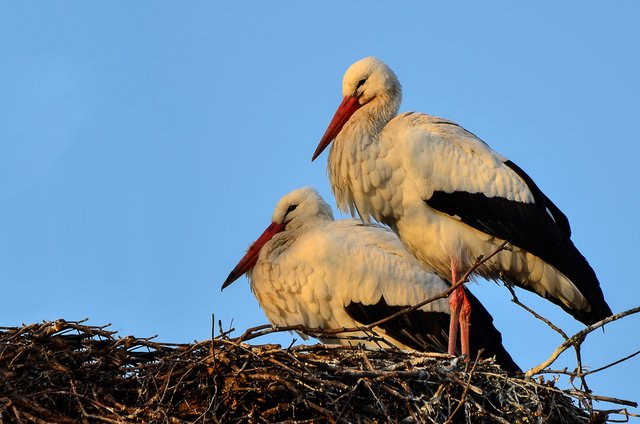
(540, 199)
(426, 331)
(539, 227)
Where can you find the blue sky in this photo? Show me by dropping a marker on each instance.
(143, 146)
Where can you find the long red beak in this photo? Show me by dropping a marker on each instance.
(347, 108)
(250, 258)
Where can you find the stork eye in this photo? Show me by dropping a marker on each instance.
(291, 209)
(360, 83)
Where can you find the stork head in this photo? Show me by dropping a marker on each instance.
(302, 208)
(296, 211)
(369, 81)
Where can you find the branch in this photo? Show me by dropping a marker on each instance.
(577, 338)
(613, 363)
(576, 342)
(605, 398)
(515, 300)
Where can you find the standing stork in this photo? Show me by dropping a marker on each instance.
(307, 269)
(451, 198)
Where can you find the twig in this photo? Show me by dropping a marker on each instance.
(577, 337)
(606, 399)
(579, 373)
(466, 390)
(479, 261)
(613, 363)
(515, 300)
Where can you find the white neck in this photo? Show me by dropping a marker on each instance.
(354, 153)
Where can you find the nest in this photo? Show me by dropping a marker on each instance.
(68, 372)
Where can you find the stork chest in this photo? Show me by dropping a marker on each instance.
(364, 181)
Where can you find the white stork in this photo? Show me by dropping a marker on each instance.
(451, 198)
(307, 269)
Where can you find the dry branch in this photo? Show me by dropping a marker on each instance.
(584, 395)
(578, 338)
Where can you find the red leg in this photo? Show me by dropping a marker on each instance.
(460, 316)
(455, 303)
(465, 315)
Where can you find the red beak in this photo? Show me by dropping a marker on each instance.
(250, 258)
(347, 108)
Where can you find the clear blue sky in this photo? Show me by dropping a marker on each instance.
(144, 144)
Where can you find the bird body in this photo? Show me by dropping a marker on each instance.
(418, 155)
(449, 196)
(322, 270)
(322, 273)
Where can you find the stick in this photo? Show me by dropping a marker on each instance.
(577, 337)
(613, 363)
(515, 300)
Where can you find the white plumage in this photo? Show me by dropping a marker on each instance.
(449, 196)
(309, 269)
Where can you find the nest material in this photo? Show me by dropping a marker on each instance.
(67, 372)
